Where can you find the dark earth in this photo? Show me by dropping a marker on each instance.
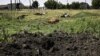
(57, 43)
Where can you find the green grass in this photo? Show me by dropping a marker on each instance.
(80, 21)
(86, 14)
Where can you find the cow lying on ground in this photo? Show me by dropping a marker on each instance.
(40, 13)
(53, 20)
(65, 15)
(21, 17)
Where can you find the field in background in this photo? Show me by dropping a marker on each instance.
(80, 21)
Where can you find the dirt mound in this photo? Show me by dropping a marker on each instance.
(54, 44)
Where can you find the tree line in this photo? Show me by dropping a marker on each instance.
(57, 5)
(52, 4)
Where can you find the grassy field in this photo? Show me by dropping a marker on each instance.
(80, 21)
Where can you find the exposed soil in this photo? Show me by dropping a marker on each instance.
(54, 44)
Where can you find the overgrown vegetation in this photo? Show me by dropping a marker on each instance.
(80, 21)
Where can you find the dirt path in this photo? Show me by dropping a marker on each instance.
(54, 44)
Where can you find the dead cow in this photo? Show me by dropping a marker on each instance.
(21, 17)
(65, 15)
(53, 20)
(40, 13)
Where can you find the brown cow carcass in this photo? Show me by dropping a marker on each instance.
(53, 20)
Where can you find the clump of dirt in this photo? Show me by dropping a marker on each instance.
(55, 44)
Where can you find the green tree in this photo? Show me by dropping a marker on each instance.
(96, 4)
(51, 4)
(35, 4)
(61, 6)
(84, 5)
(75, 5)
(68, 6)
